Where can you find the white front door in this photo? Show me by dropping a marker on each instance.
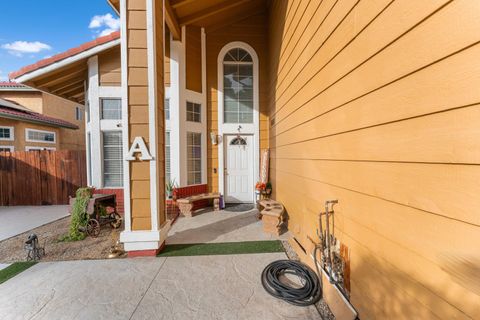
(239, 184)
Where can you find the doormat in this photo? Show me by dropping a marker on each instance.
(240, 207)
(14, 269)
(221, 248)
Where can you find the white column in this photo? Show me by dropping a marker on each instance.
(94, 126)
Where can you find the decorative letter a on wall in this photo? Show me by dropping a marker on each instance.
(138, 146)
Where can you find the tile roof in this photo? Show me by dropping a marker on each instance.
(12, 110)
(11, 85)
(61, 56)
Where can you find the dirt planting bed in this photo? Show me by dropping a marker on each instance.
(11, 250)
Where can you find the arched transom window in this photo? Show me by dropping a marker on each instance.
(238, 87)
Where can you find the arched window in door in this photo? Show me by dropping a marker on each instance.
(238, 141)
(238, 87)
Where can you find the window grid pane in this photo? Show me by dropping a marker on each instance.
(5, 133)
(238, 88)
(167, 109)
(167, 157)
(41, 136)
(194, 158)
(111, 109)
(193, 112)
(112, 159)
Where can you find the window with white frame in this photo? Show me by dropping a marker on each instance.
(167, 109)
(111, 109)
(168, 173)
(35, 148)
(194, 112)
(34, 135)
(78, 113)
(7, 148)
(112, 159)
(194, 158)
(6, 133)
(238, 87)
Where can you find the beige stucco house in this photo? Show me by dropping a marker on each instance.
(35, 120)
(372, 103)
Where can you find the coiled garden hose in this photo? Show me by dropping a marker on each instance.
(309, 293)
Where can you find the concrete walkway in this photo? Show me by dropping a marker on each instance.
(223, 226)
(19, 219)
(199, 287)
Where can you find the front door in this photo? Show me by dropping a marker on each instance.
(239, 184)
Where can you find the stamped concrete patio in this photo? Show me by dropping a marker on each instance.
(208, 226)
(188, 287)
(198, 287)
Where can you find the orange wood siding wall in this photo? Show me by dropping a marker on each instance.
(138, 111)
(376, 104)
(109, 68)
(253, 31)
(193, 58)
(167, 57)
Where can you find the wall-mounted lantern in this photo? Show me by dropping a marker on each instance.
(214, 138)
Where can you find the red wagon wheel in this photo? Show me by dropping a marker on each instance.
(93, 228)
(116, 220)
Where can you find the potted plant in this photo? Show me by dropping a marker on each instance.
(268, 188)
(169, 188)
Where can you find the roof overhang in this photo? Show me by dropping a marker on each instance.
(65, 74)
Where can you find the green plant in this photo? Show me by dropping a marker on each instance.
(79, 216)
(268, 186)
(170, 186)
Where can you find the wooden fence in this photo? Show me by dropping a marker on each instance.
(40, 177)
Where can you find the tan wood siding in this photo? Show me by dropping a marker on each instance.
(193, 58)
(138, 105)
(253, 31)
(376, 103)
(109, 68)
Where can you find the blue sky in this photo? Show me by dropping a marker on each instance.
(34, 29)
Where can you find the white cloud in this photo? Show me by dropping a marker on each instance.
(106, 22)
(18, 48)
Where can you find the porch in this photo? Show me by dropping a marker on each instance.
(371, 103)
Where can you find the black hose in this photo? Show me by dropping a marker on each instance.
(308, 294)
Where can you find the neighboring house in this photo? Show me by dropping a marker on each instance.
(373, 103)
(24, 130)
(64, 119)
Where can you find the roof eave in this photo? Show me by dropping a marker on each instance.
(62, 63)
(46, 123)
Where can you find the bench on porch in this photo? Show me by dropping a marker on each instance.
(186, 205)
(273, 216)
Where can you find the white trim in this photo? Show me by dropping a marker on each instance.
(125, 138)
(33, 148)
(224, 129)
(145, 240)
(182, 123)
(27, 130)
(65, 62)
(96, 155)
(109, 92)
(176, 49)
(152, 113)
(12, 133)
(11, 148)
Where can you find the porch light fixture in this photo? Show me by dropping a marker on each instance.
(214, 138)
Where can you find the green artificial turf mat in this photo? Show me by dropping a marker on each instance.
(14, 269)
(202, 249)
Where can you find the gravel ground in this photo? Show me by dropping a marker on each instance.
(11, 250)
(321, 305)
